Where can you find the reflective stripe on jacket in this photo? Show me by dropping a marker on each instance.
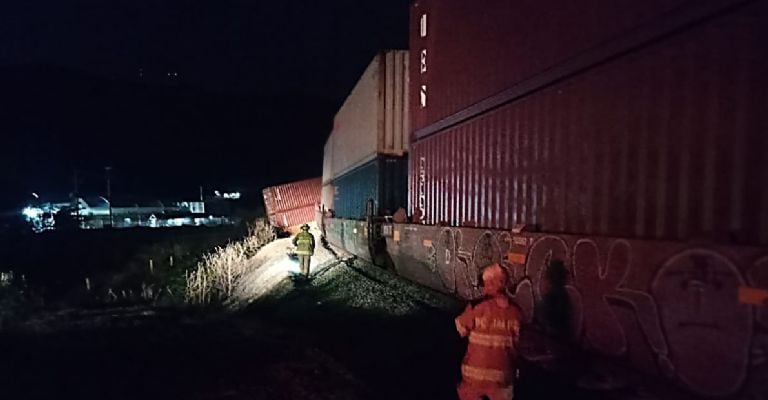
(305, 244)
(491, 358)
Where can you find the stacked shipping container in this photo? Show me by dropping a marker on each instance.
(653, 132)
(292, 204)
(468, 52)
(384, 180)
(364, 157)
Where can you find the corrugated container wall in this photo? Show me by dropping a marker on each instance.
(285, 199)
(465, 51)
(666, 141)
(327, 160)
(326, 193)
(373, 119)
(326, 196)
(293, 218)
(384, 180)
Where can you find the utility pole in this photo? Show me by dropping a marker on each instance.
(201, 193)
(109, 193)
(77, 198)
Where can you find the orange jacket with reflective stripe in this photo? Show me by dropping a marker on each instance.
(493, 327)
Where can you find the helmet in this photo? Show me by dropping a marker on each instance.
(305, 227)
(494, 279)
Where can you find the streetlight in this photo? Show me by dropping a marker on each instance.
(109, 193)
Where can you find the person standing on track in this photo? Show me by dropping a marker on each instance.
(493, 327)
(305, 249)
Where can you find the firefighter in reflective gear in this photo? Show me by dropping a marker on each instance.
(305, 248)
(493, 327)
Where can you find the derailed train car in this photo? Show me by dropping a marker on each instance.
(293, 204)
(627, 140)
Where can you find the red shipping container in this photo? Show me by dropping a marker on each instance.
(668, 141)
(284, 200)
(292, 219)
(464, 52)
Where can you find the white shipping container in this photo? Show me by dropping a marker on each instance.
(374, 118)
(326, 196)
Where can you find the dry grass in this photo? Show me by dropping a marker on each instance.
(216, 276)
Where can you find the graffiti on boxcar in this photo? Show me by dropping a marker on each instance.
(602, 286)
(458, 267)
(486, 251)
(594, 288)
(757, 384)
(442, 258)
(529, 289)
(690, 319)
(758, 277)
(541, 253)
(453, 264)
(603, 331)
(705, 325)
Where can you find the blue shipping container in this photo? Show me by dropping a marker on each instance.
(384, 180)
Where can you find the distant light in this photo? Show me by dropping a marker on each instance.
(232, 196)
(32, 212)
(177, 221)
(35, 195)
(217, 193)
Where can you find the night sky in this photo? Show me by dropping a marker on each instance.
(85, 84)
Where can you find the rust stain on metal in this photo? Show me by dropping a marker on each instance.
(516, 258)
(753, 296)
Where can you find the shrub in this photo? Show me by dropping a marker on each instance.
(215, 277)
(16, 300)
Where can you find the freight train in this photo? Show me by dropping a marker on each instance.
(627, 140)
